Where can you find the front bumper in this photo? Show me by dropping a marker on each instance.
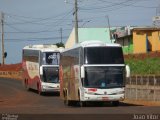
(48, 88)
(117, 97)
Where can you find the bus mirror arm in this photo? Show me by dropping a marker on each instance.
(82, 72)
(41, 70)
(127, 71)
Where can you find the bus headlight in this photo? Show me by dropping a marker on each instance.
(44, 87)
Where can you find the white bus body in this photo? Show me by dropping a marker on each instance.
(92, 71)
(40, 65)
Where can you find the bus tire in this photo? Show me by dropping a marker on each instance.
(66, 101)
(26, 84)
(38, 89)
(65, 97)
(115, 103)
(82, 103)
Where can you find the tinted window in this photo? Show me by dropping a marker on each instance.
(104, 77)
(70, 57)
(50, 74)
(103, 55)
(31, 55)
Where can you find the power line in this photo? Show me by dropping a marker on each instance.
(35, 23)
(132, 4)
(30, 32)
(21, 31)
(57, 23)
(102, 7)
(111, 8)
(33, 39)
(36, 19)
(113, 5)
(17, 29)
(61, 21)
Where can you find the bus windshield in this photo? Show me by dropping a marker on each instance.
(103, 55)
(50, 74)
(50, 58)
(104, 77)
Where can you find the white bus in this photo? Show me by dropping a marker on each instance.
(40, 65)
(92, 71)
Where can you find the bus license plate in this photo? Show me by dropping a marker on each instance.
(104, 98)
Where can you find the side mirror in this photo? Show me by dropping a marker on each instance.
(41, 70)
(82, 72)
(127, 71)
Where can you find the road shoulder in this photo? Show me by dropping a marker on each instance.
(143, 103)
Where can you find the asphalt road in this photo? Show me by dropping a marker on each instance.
(15, 100)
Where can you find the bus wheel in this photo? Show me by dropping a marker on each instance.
(115, 103)
(82, 103)
(26, 84)
(39, 89)
(66, 101)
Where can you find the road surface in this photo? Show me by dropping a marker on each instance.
(15, 100)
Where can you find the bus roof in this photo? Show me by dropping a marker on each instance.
(44, 48)
(93, 43)
(96, 43)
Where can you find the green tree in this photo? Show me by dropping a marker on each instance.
(60, 44)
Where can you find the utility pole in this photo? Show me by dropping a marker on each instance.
(76, 21)
(61, 34)
(2, 37)
(109, 28)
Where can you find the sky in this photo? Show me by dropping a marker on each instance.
(29, 22)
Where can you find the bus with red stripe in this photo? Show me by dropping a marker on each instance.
(40, 65)
(92, 71)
